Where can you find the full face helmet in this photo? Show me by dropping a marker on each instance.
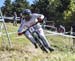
(26, 12)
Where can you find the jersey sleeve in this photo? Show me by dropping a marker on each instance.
(39, 16)
(21, 26)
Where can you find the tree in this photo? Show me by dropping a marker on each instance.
(19, 5)
(7, 7)
(41, 6)
(69, 14)
(15, 6)
(48, 8)
(54, 10)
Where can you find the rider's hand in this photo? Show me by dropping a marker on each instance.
(39, 20)
(20, 34)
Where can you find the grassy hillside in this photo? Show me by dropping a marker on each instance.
(23, 50)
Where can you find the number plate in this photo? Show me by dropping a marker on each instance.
(31, 29)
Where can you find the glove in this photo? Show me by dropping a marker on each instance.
(20, 34)
(40, 20)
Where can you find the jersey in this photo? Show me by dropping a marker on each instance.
(33, 20)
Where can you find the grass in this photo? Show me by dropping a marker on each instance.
(23, 50)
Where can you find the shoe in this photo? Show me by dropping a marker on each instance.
(51, 49)
(43, 49)
(35, 45)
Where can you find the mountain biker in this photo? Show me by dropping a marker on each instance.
(33, 19)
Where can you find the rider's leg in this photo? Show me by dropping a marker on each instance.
(44, 40)
(31, 38)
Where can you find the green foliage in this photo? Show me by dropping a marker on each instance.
(7, 7)
(59, 11)
(69, 14)
(19, 5)
(7, 2)
(52, 9)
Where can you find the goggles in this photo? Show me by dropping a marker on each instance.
(25, 14)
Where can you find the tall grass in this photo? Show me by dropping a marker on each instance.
(23, 50)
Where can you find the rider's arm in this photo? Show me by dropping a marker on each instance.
(40, 17)
(21, 28)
